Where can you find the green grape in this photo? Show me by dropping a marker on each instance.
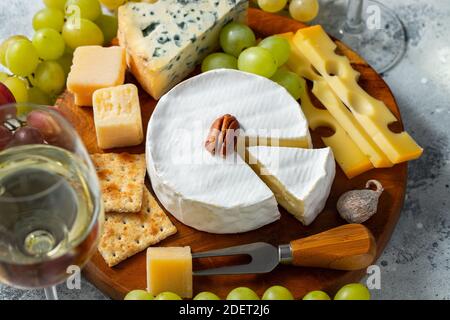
(87, 34)
(353, 291)
(272, 5)
(108, 25)
(112, 4)
(290, 81)
(138, 295)
(257, 60)
(278, 47)
(3, 76)
(22, 57)
(277, 293)
(37, 96)
(168, 296)
(235, 37)
(66, 63)
(57, 4)
(5, 45)
(304, 10)
(50, 77)
(206, 296)
(316, 295)
(219, 60)
(89, 9)
(49, 44)
(48, 18)
(242, 293)
(18, 87)
(69, 51)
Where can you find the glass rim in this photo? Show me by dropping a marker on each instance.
(97, 199)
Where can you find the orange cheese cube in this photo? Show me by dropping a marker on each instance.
(117, 117)
(169, 269)
(94, 68)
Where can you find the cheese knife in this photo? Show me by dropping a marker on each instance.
(348, 247)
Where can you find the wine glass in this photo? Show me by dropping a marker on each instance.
(50, 205)
(368, 27)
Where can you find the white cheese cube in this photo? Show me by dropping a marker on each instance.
(117, 117)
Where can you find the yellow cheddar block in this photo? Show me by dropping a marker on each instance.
(117, 117)
(94, 68)
(372, 114)
(300, 65)
(169, 269)
(347, 154)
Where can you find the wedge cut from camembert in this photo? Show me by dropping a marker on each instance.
(301, 179)
(212, 193)
(165, 40)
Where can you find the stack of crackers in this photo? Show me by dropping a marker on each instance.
(133, 219)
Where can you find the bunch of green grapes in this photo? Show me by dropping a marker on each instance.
(39, 66)
(300, 10)
(266, 59)
(352, 291)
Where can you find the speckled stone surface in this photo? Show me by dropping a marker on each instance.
(415, 264)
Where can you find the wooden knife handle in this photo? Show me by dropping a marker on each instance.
(348, 247)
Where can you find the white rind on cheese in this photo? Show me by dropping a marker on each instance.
(301, 179)
(207, 192)
(167, 39)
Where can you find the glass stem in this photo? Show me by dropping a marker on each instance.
(354, 22)
(51, 293)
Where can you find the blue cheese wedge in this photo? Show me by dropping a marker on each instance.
(165, 40)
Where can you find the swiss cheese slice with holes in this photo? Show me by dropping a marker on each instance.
(211, 193)
(372, 114)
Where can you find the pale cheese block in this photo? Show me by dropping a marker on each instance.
(117, 117)
(301, 179)
(208, 192)
(94, 68)
(169, 269)
(167, 39)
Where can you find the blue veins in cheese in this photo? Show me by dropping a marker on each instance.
(165, 40)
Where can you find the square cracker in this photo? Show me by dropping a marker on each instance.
(121, 180)
(126, 234)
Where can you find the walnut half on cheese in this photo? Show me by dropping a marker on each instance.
(117, 117)
(167, 39)
(94, 68)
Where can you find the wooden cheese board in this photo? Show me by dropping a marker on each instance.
(131, 274)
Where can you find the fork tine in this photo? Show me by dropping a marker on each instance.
(231, 251)
(264, 259)
(239, 269)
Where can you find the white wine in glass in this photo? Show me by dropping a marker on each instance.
(50, 204)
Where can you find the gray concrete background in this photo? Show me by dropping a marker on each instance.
(415, 264)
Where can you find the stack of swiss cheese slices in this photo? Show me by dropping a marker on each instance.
(224, 195)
